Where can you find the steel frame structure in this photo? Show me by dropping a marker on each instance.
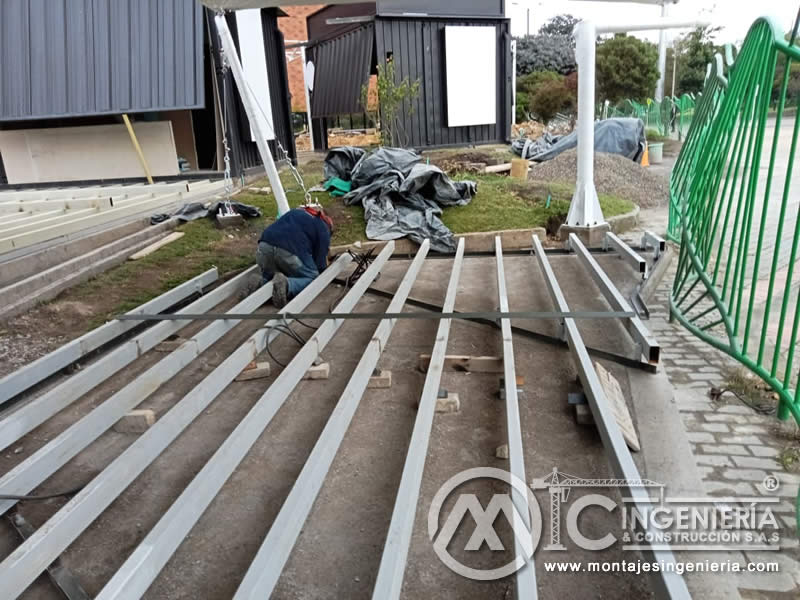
(142, 567)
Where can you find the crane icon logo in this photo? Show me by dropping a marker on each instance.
(519, 508)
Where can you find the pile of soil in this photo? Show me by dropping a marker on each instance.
(613, 174)
(530, 129)
(341, 138)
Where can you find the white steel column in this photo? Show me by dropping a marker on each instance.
(250, 106)
(308, 97)
(662, 57)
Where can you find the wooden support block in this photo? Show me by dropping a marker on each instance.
(318, 371)
(583, 414)
(170, 345)
(448, 404)
(617, 400)
(175, 235)
(381, 380)
(255, 370)
(468, 364)
(502, 452)
(136, 421)
(519, 168)
(502, 168)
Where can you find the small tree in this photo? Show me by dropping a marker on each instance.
(559, 25)
(551, 97)
(545, 53)
(627, 67)
(392, 99)
(694, 51)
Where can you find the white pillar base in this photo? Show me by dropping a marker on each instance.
(585, 211)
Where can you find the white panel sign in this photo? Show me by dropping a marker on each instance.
(471, 68)
(254, 66)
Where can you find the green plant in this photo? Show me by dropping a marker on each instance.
(559, 25)
(545, 53)
(394, 101)
(527, 84)
(550, 98)
(627, 67)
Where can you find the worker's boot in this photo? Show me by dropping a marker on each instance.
(280, 290)
(253, 282)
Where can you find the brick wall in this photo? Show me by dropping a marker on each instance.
(294, 30)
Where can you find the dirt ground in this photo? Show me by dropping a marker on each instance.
(339, 550)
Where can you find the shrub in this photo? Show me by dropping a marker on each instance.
(550, 98)
(545, 53)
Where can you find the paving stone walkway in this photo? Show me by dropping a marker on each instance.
(734, 447)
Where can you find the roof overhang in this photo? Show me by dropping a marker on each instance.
(240, 4)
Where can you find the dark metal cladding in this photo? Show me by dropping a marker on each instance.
(442, 8)
(90, 57)
(341, 68)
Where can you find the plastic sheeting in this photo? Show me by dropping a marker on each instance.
(614, 136)
(401, 197)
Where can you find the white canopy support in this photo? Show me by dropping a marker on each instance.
(585, 211)
(250, 107)
(240, 4)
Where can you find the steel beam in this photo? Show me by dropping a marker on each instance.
(526, 575)
(648, 346)
(42, 368)
(389, 583)
(47, 460)
(628, 254)
(667, 584)
(41, 408)
(22, 566)
(656, 242)
(142, 567)
(266, 568)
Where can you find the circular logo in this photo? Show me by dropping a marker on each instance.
(771, 483)
(520, 508)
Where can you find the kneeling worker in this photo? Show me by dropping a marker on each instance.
(294, 250)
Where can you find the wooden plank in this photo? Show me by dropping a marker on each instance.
(618, 405)
(465, 363)
(175, 235)
(498, 168)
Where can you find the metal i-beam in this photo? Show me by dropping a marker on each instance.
(38, 410)
(23, 565)
(265, 570)
(40, 369)
(648, 346)
(389, 583)
(142, 567)
(526, 575)
(628, 254)
(667, 583)
(57, 452)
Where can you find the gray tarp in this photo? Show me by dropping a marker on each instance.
(614, 136)
(400, 196)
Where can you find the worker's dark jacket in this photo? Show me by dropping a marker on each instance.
(302, 234)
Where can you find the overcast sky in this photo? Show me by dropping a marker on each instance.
(735, 16)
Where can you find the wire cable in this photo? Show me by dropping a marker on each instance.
(38, 497)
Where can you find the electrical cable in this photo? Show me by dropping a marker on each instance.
(762, 409)
(37, 497)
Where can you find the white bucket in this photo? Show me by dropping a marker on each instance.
(655, 152)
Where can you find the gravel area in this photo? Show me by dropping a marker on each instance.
(613, 174)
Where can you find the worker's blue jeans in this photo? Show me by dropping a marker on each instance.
(272, 259)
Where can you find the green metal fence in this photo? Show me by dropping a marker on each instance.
(736, 214)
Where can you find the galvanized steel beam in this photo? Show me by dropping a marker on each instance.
(20, 380)
(526, 575)
(648, 346)
(667, 584)
(656, 242)
(23, 565)
(141, 568)
(389, 583)
(41, 408)
(57, 452)
(628, 254)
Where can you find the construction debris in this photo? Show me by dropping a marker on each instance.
(618, 406)
(501, 452)
(136, 421)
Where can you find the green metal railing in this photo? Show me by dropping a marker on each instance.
(665, 117)
(736, 214)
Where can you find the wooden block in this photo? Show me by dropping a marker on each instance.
(583, 414)
(255, 370)
(617, 401)
(136, 421)
(519, 168)
(502, 452)
(318, 371)
(175, 235)
(469, 364)
(381, 380)
(448, 404)
(170, 345)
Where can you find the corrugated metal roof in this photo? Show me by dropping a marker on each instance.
(88, 57)
(341, 69)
